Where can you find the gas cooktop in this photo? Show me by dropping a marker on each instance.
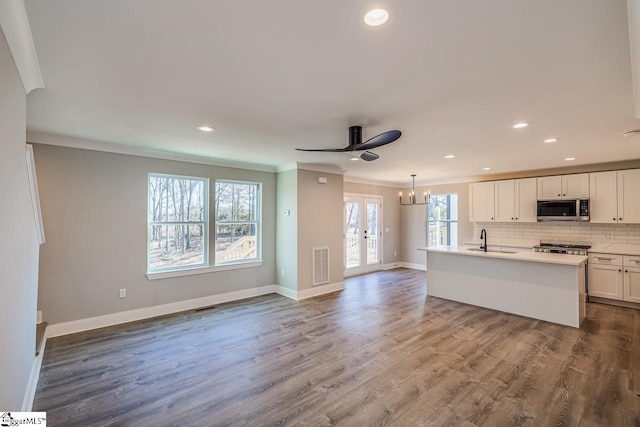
(562, 248)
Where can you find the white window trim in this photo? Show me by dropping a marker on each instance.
(203, 270)
(230, 265)
(179, 270)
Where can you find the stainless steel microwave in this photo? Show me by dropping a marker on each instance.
(563, 210)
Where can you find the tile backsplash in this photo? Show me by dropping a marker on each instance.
(562, 232)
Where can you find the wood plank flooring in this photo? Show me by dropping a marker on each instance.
(379, 353)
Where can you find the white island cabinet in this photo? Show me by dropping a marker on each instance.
(543, 286)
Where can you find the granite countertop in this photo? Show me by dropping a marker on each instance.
(516, 256)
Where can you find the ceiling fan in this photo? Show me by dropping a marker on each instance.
(356, 144)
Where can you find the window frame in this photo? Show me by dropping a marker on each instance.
(257, 222)
(205, 230)
(448, 221)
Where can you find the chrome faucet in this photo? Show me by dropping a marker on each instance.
(483, 236)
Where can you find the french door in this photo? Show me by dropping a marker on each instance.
(362, 234)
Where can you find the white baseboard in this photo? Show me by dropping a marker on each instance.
(310, 293)
(413, 266)
(30, 393)
(392, 265)
(80, 325)
(320, 290)
(287, 292)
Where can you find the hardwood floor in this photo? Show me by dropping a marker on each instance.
(379, 353)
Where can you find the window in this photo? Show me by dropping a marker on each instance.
(442, 220)
(237, 222)
(178, 220)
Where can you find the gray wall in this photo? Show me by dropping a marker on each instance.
(412, 221)
(19, 249)
(390, 216)
(94, 206)
(319, 224)
(287, 229)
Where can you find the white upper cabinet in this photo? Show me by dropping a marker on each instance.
(481, 202)
(504, 201)
(575, 186)
(603, 197)
(525, 200)
(629, 196)
(515, 200)
(563, 187)
(549, 187)
(614, 197)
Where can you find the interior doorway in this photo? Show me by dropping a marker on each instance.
(362, 234)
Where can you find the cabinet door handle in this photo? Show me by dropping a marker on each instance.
(604, 259)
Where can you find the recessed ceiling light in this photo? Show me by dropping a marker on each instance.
(550, 140)
(520, 125)
(205, 128)
(486, 169)
(376, 17)
(449, 156)
(570, 159)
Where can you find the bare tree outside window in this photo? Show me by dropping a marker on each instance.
(237, 216)
(178, 222)
(442, 220)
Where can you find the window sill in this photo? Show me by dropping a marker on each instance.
(202, 270)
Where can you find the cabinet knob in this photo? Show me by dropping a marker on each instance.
(516, 218)
(626, 271)
(558, 194)
(619, 219)
(614, 219)
(511, 218)
(491, 218)
(563, 195)
(619, 270)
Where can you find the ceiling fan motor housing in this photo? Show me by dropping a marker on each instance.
(355, 135)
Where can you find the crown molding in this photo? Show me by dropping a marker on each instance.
(15, 27)
(107, 147)
(367, 181)
(320, 167)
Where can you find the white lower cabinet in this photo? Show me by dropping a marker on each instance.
(614, 277)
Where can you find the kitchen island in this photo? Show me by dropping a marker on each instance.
(542, 286)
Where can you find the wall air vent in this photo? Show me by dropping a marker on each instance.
(320, 266)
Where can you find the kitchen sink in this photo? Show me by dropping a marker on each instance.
(492, 250)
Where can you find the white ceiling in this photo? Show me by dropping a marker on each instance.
(453, 76)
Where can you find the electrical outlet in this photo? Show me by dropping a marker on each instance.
(123, 293)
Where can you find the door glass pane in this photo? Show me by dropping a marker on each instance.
(352, 234)
(372, 233)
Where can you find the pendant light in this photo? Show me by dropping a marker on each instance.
(412, 195)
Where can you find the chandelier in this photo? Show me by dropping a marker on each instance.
(412, 195)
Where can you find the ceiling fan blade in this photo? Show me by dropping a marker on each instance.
(368, 156)
(380, 140)
(328, 150)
